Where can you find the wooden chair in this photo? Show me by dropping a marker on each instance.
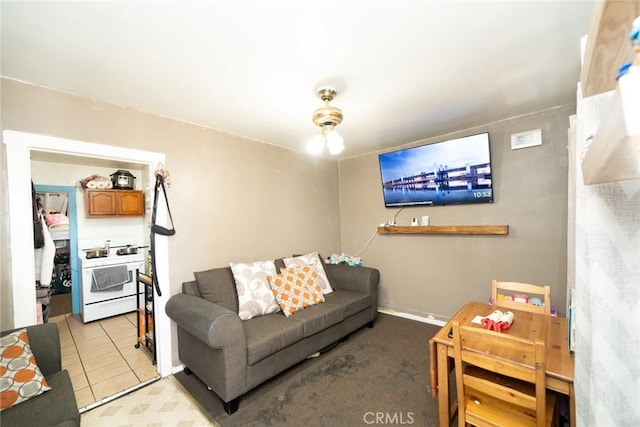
(500, 379)
(543, 291)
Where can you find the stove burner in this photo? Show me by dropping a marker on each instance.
(96, 253)
(128, 250)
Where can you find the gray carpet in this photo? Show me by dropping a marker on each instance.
(378, 376)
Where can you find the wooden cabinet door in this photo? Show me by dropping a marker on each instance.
(108, 203)
(130, 203)
(101, 203)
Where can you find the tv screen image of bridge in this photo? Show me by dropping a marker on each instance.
(442, 186)
(469, 177)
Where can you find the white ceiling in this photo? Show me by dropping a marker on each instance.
(403, 70)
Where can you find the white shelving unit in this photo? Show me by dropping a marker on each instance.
(614, 153)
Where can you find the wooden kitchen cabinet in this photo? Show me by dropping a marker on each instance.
(108, 203)
(130, 202)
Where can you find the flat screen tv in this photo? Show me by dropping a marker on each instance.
(454, 171)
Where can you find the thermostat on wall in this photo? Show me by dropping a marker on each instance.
(526, 139)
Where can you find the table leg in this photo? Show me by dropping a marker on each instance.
(433, 369)
(443, 386)
(572, 406)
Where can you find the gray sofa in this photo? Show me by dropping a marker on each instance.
(56, 407)
(232, 356)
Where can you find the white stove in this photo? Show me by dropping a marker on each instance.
(109, 283)
(112, 259)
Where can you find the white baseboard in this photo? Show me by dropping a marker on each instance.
(430, 319)
(178, 368)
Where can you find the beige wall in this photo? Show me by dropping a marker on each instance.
(232, 199)
(436, 274)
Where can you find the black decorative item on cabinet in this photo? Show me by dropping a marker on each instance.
(146, 328)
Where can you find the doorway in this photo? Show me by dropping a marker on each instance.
(70, 247)
(101, 356)
(19, 147)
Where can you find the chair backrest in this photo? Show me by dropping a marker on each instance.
(514, 287)
(511, 376)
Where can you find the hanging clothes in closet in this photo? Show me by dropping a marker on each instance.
(43, 261)
(55, 207)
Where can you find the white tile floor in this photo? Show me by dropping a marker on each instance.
(163, 403)
(103, 361)
(101, 356)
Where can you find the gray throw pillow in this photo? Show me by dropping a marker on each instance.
(218, 286)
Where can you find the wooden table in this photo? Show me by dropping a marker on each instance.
(554, 330)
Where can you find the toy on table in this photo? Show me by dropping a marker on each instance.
(523, 298)
(489, 321)
(520, 298)
(498, 321)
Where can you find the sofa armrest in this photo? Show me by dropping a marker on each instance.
(44, 340)
(358, 279)
(211, 323)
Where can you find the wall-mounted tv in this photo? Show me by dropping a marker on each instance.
(454, 171)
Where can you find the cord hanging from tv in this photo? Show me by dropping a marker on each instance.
(455, 171)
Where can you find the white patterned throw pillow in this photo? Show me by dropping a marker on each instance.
(255, 297)
(314, 260)
(20, 376)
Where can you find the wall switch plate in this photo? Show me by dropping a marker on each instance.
(529, 138)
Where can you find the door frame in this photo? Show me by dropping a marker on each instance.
(73, 238)
(19, 146)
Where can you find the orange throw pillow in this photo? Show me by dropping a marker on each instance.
(296, 288)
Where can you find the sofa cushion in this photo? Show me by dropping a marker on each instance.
(318, 317)
(296, 288)
(20, 376)
(217, 286)
(53, 408)
(268, 334)
(313, 259)
(279, 262)
(254, 293)
(351, 302)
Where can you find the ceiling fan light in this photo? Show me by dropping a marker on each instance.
(336, 149)
(316, 145)
(335, 141)
(327, 118)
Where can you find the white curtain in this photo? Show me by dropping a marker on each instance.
(606, 269)
(58, 202)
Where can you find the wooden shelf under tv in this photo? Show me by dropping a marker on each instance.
(500, 230)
